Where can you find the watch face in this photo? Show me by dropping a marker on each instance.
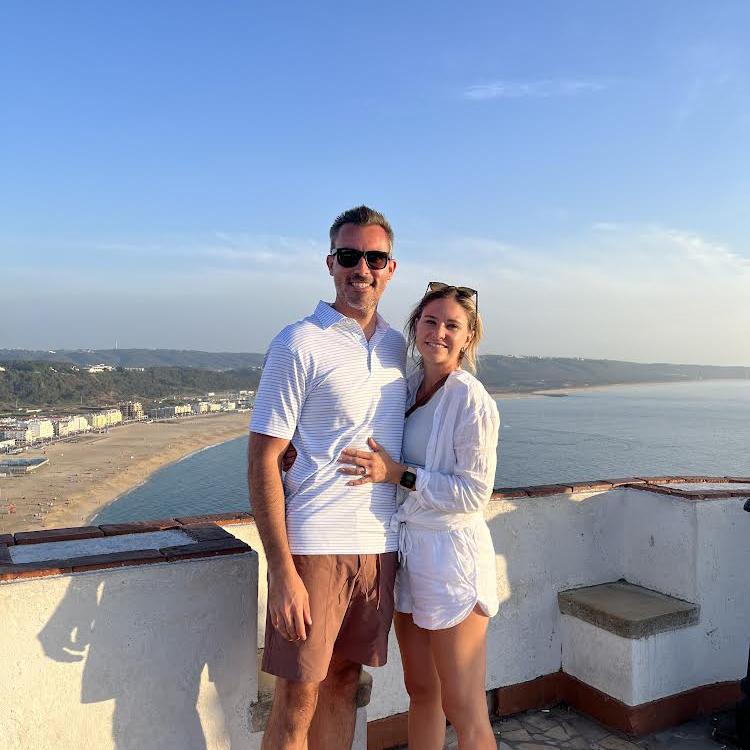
(408, 480)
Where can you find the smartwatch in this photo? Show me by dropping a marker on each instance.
(409, 479)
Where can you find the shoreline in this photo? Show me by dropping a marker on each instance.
(88, 473)
(573, 389)
(91, 520)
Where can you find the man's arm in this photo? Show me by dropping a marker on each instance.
(288, 602)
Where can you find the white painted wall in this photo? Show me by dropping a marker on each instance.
(694, 550)
(153, 657)
(165, 655)
(660, 543)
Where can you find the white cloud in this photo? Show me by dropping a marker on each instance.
(707, 255)
(614, 290)
(269, 252)
(539, 89)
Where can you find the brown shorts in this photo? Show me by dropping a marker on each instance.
(351, 606)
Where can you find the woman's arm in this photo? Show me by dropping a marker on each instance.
(468, 488)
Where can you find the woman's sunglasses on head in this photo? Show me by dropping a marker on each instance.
(462, 291)
(347, 257)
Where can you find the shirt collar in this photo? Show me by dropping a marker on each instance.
(328, 317)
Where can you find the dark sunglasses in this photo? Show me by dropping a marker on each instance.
(347, 257)
(462, 291)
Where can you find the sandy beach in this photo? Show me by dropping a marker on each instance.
(86, 473)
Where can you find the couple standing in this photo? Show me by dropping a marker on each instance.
(386, 468)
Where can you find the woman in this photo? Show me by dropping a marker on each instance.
(446, 586)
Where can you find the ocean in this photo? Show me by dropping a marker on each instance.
(684, 428)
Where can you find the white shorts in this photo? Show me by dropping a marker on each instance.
(445, 574)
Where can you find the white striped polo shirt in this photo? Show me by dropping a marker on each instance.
(326, 388)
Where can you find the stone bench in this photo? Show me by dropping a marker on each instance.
(620, 639)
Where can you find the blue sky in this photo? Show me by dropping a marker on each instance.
(168, 171)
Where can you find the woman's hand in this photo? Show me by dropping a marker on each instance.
(377, 466)
(289, 457)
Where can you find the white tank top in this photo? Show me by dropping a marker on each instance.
(417, 430)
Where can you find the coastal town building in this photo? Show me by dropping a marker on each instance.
(169, 412)
(6, 445)
(78, 423)
(65, 426)
(19, 434)
(132, 410)
(61, 427)
(101, 419)
(98, 420)
(40, 429)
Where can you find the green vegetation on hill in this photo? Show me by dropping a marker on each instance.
(59, 384)
(138, 358)
(537, 373)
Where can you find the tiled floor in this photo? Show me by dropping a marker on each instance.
(563, 728)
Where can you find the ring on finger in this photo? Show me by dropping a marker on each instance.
(364, 471)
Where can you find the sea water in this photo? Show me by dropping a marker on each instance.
(685, 428)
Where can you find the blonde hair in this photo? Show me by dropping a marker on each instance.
(468, 357)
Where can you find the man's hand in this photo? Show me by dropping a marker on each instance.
(289, 605)
(288, 602)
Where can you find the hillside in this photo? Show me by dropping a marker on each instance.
(58, 384)
(49, 382)
(138, 358)
(534, 373)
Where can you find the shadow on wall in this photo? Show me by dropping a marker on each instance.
(543, 545)
(172, 684)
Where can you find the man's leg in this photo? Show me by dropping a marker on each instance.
(291, 713)
(332, 726)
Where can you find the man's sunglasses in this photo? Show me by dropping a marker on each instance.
(462, 291)
(347, 257)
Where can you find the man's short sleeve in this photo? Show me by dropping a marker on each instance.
(281, 393)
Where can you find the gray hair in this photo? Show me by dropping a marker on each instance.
(362, 216)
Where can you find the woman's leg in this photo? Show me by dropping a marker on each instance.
(426, 717)
(460, 657)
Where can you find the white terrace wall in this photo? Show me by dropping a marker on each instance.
(694, 550)
(155, 656)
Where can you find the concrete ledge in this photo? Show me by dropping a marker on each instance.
(627, 610)
(99, 548)
(649, 484)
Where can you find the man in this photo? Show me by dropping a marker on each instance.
(329, 382)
